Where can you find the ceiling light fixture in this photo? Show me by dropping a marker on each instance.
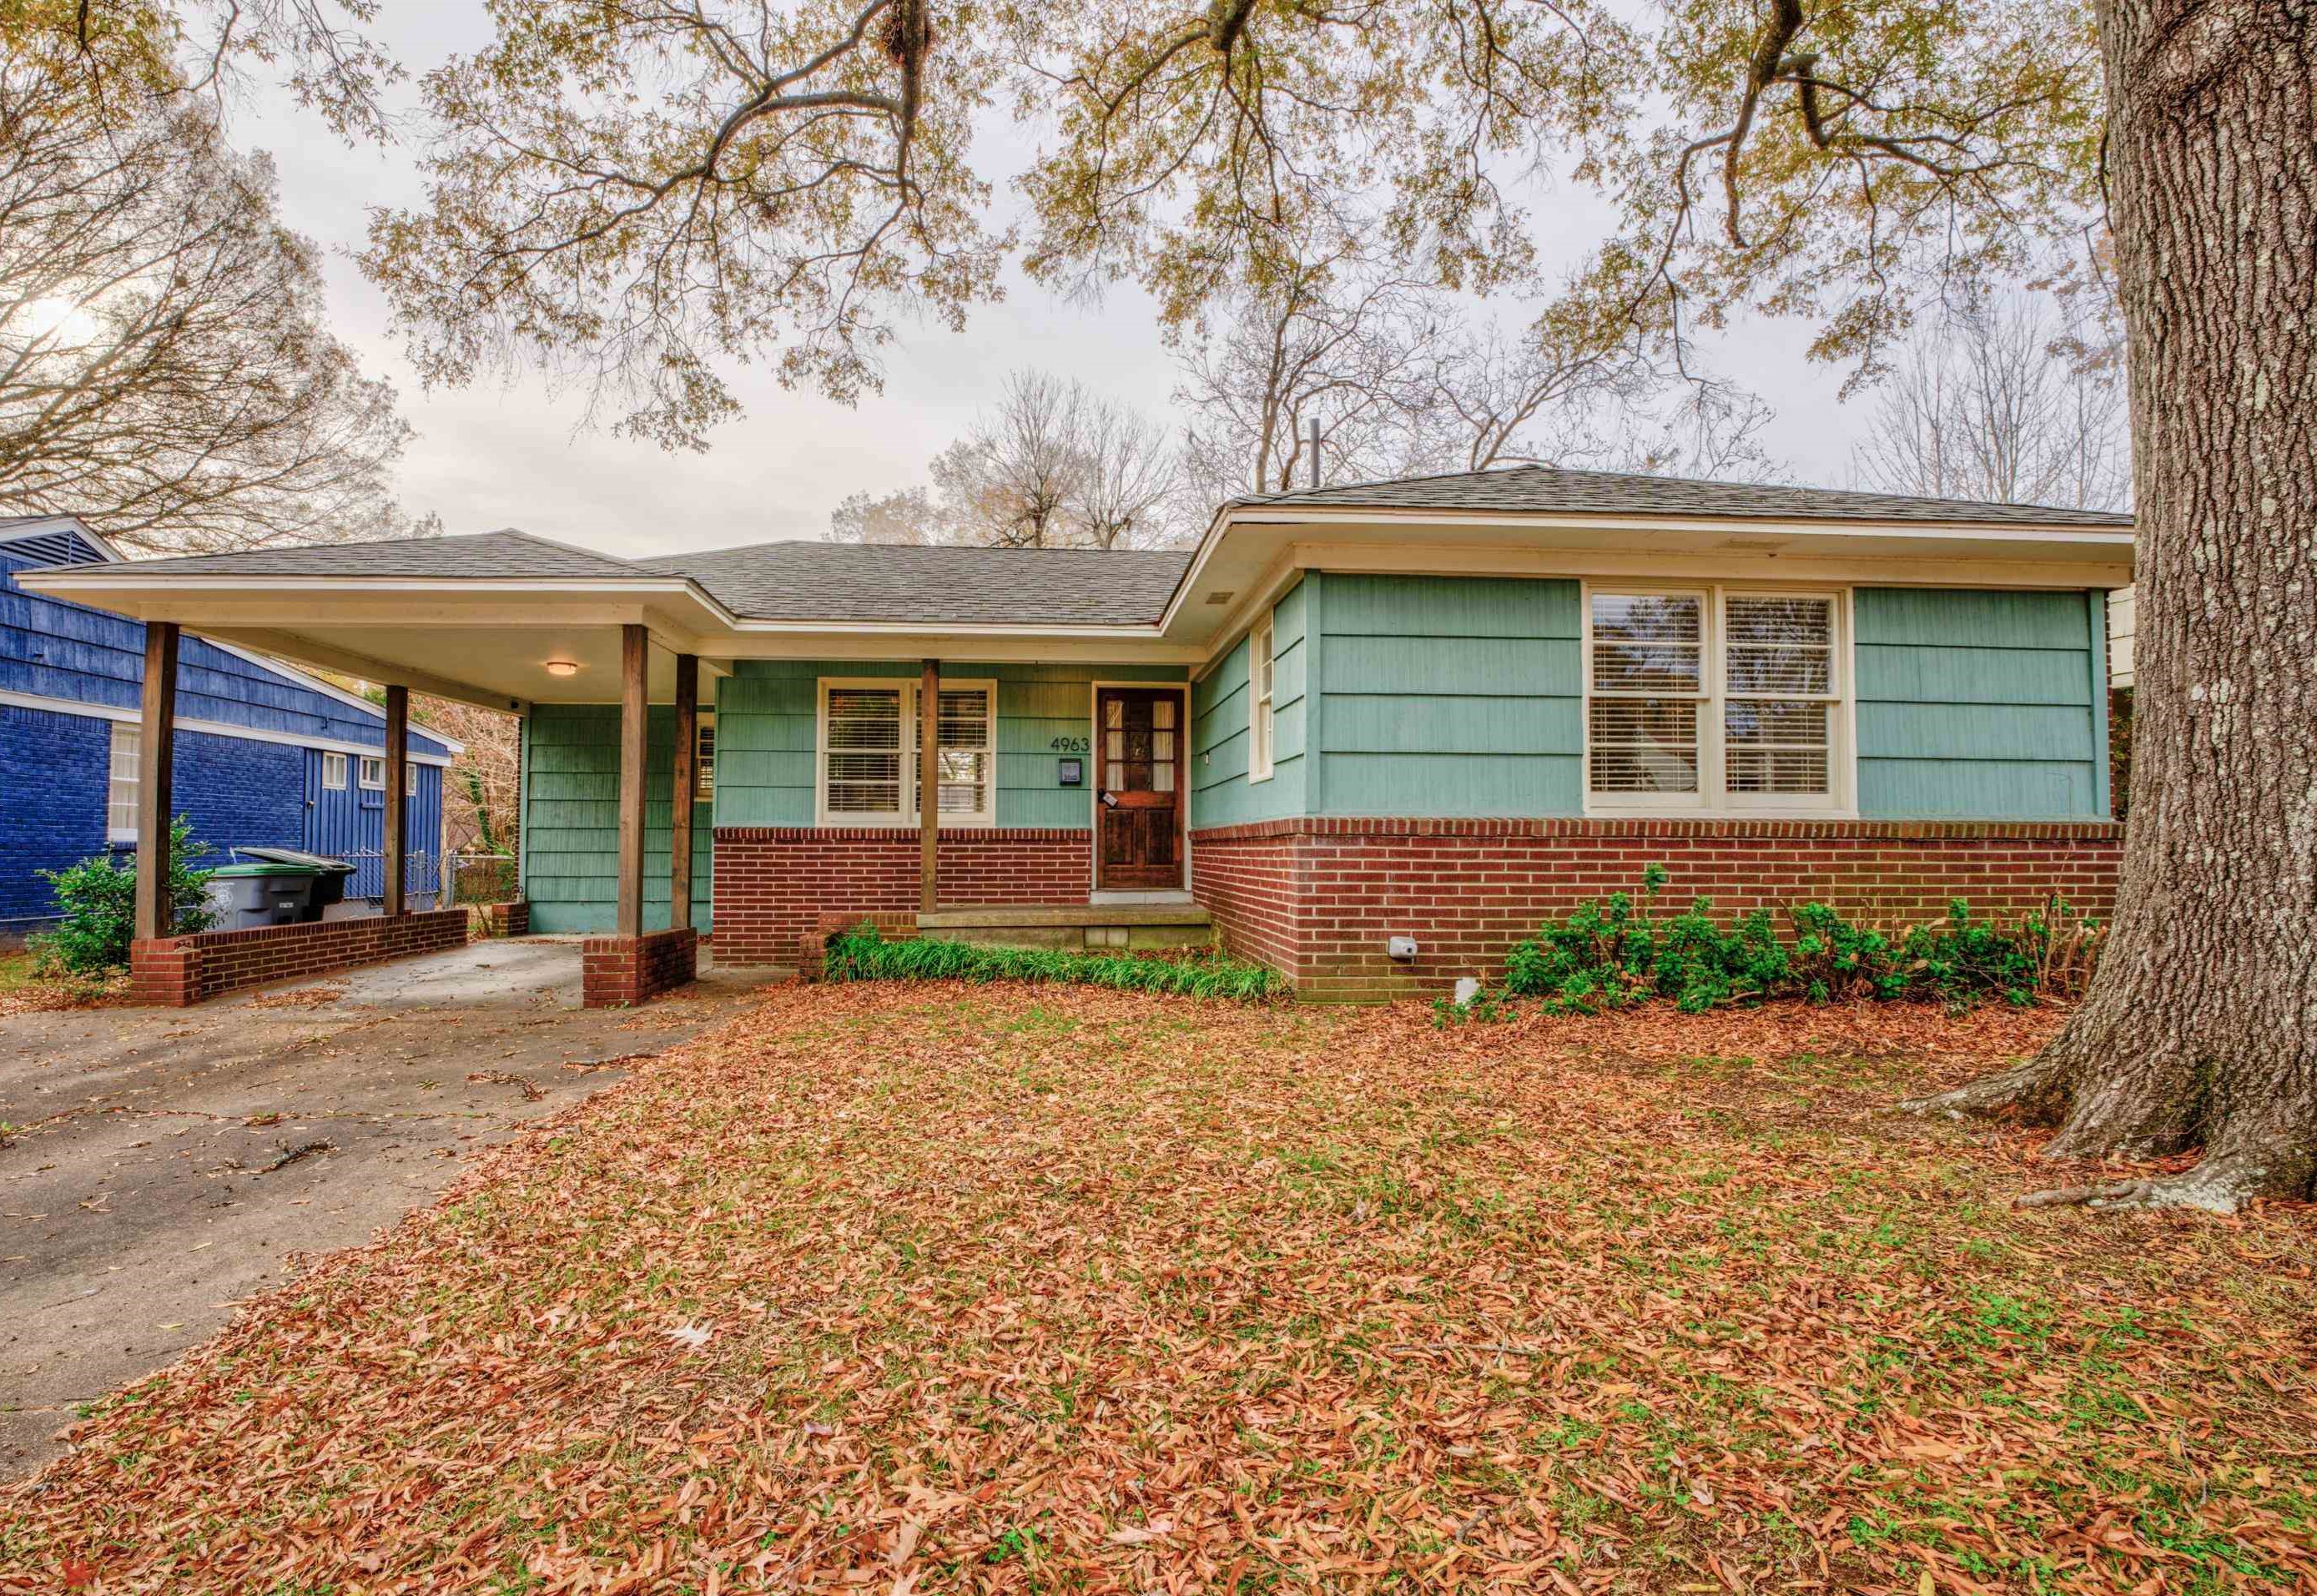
(563, 667)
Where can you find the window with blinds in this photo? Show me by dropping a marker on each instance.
(868, 766)
(121, 786)
(1712, 698)
(1260, 664)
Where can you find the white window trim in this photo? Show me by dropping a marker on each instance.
(906, 819)
(1262, 718)
(704, 733)
(121, 834)
(333, 762)
(1840, 801)
(409, 780)
(362, 773)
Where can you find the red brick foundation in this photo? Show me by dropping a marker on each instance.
(775, 884)
(502, 920)
(616, 971)
(175, 972)
(1316, 899)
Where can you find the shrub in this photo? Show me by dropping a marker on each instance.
(1610, 954)
(97, 898)
(861, 954)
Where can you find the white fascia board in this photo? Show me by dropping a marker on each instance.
(1276, 517)
(215, 729)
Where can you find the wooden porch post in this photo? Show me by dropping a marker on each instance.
(157, 733)
(635, 709)
(928, 787)
(687, 784)
(398, 810)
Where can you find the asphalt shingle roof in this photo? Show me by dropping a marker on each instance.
(946, 585)
(935, 585)
(1545, 488)
(502, 556)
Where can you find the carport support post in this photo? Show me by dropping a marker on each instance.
(635, 710)
(398, 810)
(687, 785)
(928, 787)
(156, 735)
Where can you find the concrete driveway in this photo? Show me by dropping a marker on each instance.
(169, 1162)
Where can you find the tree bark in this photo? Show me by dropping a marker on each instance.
(2200, 1029)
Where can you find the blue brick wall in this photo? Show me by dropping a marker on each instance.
(53, 773)
(236, 791)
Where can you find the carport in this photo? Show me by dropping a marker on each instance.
(444, 617)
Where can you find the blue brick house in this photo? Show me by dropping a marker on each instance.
(265, 755)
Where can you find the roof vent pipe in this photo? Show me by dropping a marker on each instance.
(1315, 452)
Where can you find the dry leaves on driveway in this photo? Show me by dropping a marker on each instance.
(896, 1289)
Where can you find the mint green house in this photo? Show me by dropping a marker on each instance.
(1368, 733)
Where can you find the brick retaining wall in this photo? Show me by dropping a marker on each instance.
(774, 885)
(616, 971)
(1317, 898)
(175, 972)
(503, 919)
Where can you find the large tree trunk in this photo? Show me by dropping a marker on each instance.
(2200, 1030)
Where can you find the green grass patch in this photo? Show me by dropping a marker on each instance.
(864, 955)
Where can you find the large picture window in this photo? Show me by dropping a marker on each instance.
(1711, 698)
(868, 768)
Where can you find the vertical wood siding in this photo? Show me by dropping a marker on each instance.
(1980, 705)
(1450, 696)
(1220, 793)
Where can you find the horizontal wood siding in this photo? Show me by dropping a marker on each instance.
(1980, 705)
(1220, 793)
(767, 719)
(68, 651)
(571, 816)
(1450, 696)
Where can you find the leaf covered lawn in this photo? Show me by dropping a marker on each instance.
(931, 1288)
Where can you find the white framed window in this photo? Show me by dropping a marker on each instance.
(373, 774)
(1259, 723)
(705, 747)
(120, 785)
(1706, 697)
(334, 771)
(409, 778)
(867, 770)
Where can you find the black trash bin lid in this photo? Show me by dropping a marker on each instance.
(272, 869)
(312, 862)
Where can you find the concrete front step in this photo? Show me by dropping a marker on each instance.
(1102, 926)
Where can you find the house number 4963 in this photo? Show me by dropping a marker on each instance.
(1071, 744)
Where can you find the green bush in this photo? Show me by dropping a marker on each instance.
(1608, 955)
(861, 954)
(97, 898)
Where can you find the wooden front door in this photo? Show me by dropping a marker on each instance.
(1138, 789)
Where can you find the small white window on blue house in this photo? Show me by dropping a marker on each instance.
(868, 768)
(1714, 698)
(373, 774)
(334, 771)
(409, 778)
(1260, 724)
(121, 786)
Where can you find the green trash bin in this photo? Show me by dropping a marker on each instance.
(331, 874)
(250, 894)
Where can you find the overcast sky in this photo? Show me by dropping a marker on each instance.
(494, 455)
